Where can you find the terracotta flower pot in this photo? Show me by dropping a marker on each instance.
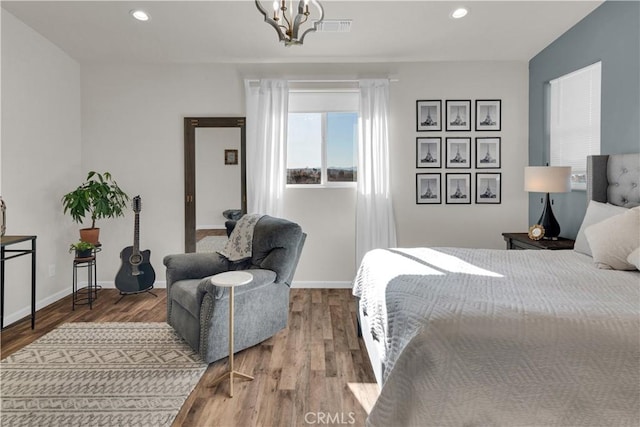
(90, 235)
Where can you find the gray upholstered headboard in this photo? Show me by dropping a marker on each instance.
(614, 179)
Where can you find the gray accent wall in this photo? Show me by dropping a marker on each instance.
(611, 34)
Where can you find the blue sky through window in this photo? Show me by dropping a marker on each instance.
(304, 146)
(342, 136)
(304, 142)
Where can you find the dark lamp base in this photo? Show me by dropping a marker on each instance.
(549, 222)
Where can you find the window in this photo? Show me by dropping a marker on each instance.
(575, 121)
(322, 138)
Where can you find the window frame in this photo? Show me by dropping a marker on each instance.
(594, 148)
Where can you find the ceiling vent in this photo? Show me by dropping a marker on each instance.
(334, 26)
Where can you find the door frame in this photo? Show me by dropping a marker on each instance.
(190, 126)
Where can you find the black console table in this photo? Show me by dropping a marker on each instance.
(14, 253)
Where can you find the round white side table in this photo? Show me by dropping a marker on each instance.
(231, 279)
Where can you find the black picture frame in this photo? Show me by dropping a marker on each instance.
(488, 115)
(428, 188)
(230, 157)
(458, 115)
(458, 188)
(488, 188)
(428, 152)
(488, 152)
(458, 153)
(429, 115)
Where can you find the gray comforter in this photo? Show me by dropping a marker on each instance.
(477, 337)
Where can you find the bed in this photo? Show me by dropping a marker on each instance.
(475, 337)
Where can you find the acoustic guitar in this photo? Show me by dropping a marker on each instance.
(136, 273)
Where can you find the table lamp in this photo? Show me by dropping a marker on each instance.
(548, 179)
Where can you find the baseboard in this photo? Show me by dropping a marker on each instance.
(210, 227)
(321, 285)
(26, 311)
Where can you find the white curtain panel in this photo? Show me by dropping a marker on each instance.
(375, 225)
(267, 110)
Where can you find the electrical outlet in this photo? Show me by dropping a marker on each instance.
(52, 270)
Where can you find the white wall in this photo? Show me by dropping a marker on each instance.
(40, 160)
(478, 226)
(217, 184)
(328, 216)
(130, 119)
(132, 127)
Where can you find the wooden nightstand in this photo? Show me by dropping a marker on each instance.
(522, 241)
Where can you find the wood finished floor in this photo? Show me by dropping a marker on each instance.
(314, 372)
(204, 232)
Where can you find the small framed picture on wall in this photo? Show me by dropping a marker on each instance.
(428, 152)
(458, 188)
(488, 188)
(488, 114)
(230, 157)
(488, 153)
(429, 115)
(459, 153)
(458, 115)
(428, 188)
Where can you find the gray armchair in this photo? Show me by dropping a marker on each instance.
(199, 311)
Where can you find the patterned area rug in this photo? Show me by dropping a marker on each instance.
(99, 374)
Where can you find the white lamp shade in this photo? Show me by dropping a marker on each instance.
(547, 179)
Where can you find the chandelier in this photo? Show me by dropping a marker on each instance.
(287, 25)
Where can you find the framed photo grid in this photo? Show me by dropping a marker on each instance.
(488, 153)
(488, 188)
(429, 115)
(458, 115)
(488, 115)
(428, 188)
(479, 183)
(429, 152)
(458, 153)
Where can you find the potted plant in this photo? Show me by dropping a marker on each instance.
(82, 249)
(98, 197)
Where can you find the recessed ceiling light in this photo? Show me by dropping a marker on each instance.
(140, 15)
(459, 13)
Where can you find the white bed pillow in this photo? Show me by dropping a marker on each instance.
(596, 212)
(612, 240)
(634, 258)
